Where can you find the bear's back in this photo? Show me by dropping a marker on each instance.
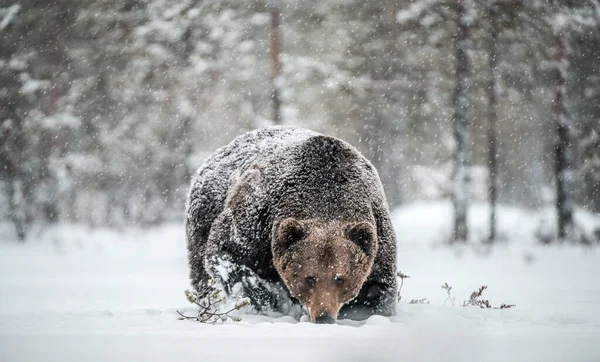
(213, 180)
(322, 178)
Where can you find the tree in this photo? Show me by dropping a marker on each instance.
(493, 93)
(462, 123)
(585, 103)
(30, 88)
(276, 44)
(499, 15)
(567, 19)
(565, 185)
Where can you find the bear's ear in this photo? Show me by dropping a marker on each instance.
(290, 232)
(362, 234)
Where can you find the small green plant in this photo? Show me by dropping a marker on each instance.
(209, 301)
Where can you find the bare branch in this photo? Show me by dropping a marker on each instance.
(209, 300)
(450, 298)
(475, 300)
(402, 276)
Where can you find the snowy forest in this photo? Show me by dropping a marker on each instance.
(481, 117)
(107, 107)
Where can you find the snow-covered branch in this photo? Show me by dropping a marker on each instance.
(8, 15)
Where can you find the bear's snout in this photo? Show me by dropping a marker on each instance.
(325, 319)
(323, 306)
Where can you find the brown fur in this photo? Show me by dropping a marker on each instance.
(283, 203)
(324, 265)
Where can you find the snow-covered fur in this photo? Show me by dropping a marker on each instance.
(242, 193)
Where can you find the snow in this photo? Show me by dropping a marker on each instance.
(414, 11)
(78, 293)
(31, 86)
(8, 14)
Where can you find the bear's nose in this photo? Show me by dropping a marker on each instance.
(324, 319)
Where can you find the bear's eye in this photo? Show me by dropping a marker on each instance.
(338, 281)
(311, 281)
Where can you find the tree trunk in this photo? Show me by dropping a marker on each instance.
(564, 147)
(12, 147)
(492, 119)
(15, 207)
(462, 124)
(276, 62)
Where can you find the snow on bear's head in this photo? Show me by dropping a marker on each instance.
(324, 264)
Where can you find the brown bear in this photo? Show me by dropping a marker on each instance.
(284, 215)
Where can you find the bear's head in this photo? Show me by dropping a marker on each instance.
(324, 265)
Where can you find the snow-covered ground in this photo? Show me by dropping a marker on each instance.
(78, 294)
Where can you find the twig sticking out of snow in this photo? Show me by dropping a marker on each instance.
(401, 276)
(450, 298)
(208, 300)
(475, 300)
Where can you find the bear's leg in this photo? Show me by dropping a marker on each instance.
(198, 275)
(223, 263)
(239, 281)
(374, 299)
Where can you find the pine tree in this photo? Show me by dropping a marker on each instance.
(567, 20)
